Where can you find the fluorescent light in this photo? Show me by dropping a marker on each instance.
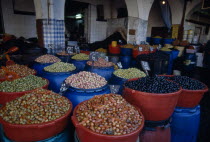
(78, 16)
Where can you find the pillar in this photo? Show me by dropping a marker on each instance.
(50, 23)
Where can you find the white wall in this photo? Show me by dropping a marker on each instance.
(155, 19)
(56, 9)
(97, 29)
(18, 25)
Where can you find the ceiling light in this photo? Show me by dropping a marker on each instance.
(163, 2)
(78, 16)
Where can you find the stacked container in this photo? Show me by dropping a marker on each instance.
(157, 110)
(186, 117)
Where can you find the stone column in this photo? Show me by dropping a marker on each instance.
(50, 23)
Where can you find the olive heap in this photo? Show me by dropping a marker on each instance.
(47, 59)
(21, 70)
(27, 83)
(154, 56)
(153, 85)
(60, 67)
(101, 50)
(86, 80)
(109, 114)
(188, 83)
(128, 46)
(100, 63)
(34, 108)
(129, 73)
(80, 56)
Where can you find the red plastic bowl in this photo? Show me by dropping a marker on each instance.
(114, 50)
(85, 52)
(136, 52)
(191, 98)
(35, 132)
(9, 96)
(86, 135)
(155, 107)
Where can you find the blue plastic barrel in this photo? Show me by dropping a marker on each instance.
(63, 58)
(156, 41)
(167, 41)
(77, 95)
(126, 51)
(80, 64)
(105, 72)
(56, 79)
(61, 137)
(126, 61)
(39, 67)
(115, 80)
(149, 39)
(185, 124)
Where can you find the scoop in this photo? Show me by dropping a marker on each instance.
(10, 76)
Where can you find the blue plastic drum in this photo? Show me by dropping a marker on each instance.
(56, 79)
(77, 95)
(126, 61)
(80, 64)
(39, 67)
(185, 124)
(115, 80)
(105, 72)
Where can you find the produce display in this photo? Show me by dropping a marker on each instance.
(188, 83)
(47, 59)
(154, 56)
(21, 70)
(153, 85)
(128, 46)
(109, 114)
(86, 80)
(60, 67)
(64, 53)
(36, 107)
(80, 56)
(129, 73)
(101, 50)
(27, 83)
(100, 63)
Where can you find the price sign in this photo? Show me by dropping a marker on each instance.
(94, 56)
(145, 65)
(119, 64)
(77, 49)
(114, 88)
(151, 49)
(64, 88)
(140, 49)
(106, 58)
(70, 49)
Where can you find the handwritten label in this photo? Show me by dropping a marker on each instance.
(140, 49)
(70, 49)
(145, 65)
(119, 64)
(106, 58)
(64, 88)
